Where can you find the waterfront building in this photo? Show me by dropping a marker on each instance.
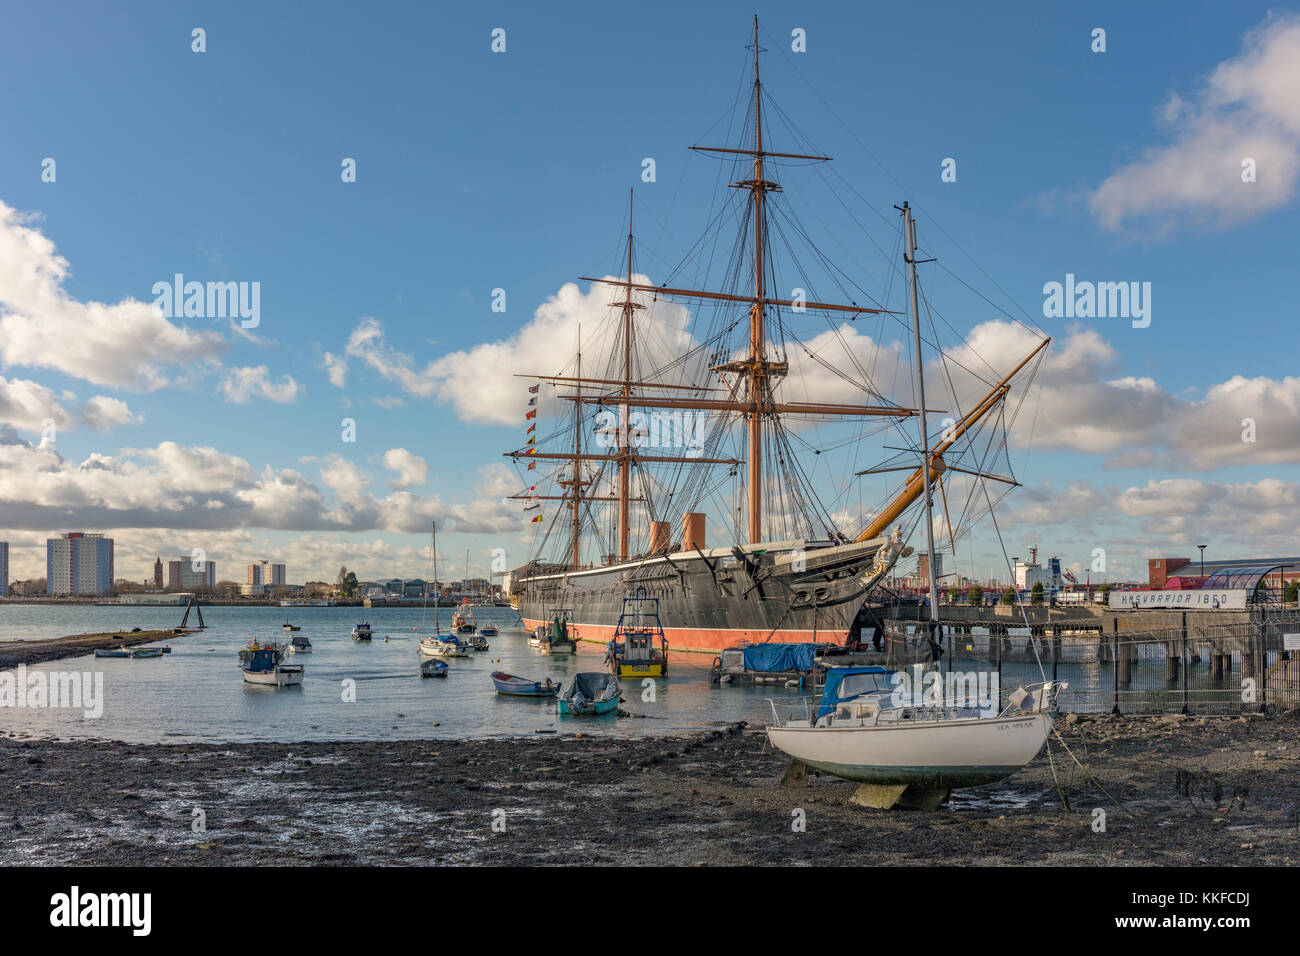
(79, 563)
(185, 574)
(264, 575)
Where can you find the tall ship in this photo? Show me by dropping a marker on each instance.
(723, 402)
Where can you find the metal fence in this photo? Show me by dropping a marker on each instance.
(1199, 667)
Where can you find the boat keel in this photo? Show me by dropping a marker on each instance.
(901, 796)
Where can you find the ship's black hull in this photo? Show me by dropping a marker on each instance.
(709, 601)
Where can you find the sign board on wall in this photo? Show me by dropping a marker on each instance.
(1216, 600)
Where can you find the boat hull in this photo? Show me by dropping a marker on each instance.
(590, 709)
(280, 677)
(942, 755)
(634, 669)
(713, 600)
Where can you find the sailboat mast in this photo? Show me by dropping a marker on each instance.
(757, 370)
(433, 546)
(909, 226)
(624, 450)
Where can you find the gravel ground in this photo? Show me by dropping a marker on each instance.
(1177, 790)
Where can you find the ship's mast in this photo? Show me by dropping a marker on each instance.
(575, 499)
(909, 229)
(624, 440)
(755, 404)
(757, 365)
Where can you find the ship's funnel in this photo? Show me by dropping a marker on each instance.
(659, 537)
(692, 531)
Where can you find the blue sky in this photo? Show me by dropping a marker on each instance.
(478, 171)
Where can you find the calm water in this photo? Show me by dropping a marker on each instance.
(197, 692)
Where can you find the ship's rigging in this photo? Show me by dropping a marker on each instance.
(734, 374)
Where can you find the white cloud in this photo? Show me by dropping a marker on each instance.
(1079, 403)
(412, 470)
(482, 382)
(27, 405)
(103, 413)
(1248, 109)
(240, 384)
(129, 345)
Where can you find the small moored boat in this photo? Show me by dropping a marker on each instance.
(443, 646)
(112, 652)
(639, 648)
(463, 620)
(261, 664)
(433, 668)
(361, 632)
(554, 638)
(590, 693)
(512, 686)
(488, 630)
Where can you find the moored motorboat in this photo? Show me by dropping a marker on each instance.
(433, 668)
(589, 693)
(488, 630)
(147, 652)
(463, 620)
(554, 638)
(512, 686)
(361, 632)
(112, 652)
(261, 664)
(638, 648)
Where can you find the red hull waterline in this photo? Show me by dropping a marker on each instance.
(704, 640)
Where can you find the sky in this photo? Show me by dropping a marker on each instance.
(130, 157)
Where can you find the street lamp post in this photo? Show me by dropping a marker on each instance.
(1202, 547)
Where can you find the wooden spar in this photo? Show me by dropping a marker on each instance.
(914, 487)
(564, 498)
(752, 299)
(757, 380)
(723, 405)
(577, 483)
(759, 152)
(619, 381)
(587, 456)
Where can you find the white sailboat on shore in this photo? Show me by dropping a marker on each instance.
(908, 749)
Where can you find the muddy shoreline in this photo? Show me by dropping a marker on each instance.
(13, 653)
(1178, 791)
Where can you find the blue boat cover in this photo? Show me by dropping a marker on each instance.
(780, 657)
(845, 683)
